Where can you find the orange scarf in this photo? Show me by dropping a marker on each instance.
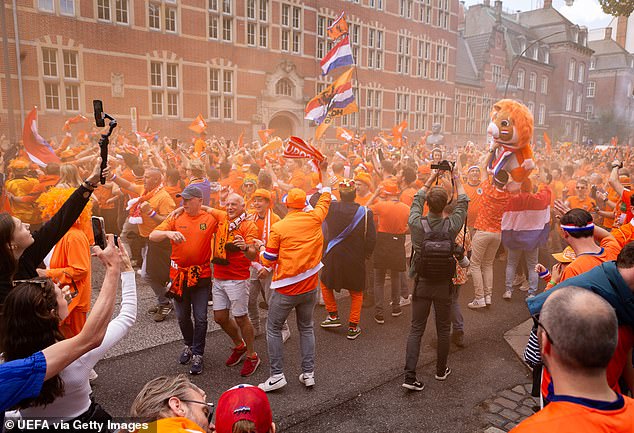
(219, 241)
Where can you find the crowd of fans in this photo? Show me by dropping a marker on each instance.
(240, 228)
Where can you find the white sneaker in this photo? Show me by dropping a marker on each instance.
(274, 382)
(487, 300)
(507, 294)
(308, 379)
(477, 303)
(286, 334)
(525, 286)
(405, 301)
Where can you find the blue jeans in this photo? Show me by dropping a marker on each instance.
(194, 298)
(280, 307)
(513, 260)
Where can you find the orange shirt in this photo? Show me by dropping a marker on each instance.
(363, 200)
(557, 187)
(474, 192)
(407, 196)
(392, 216)
(573, 417)
(623, 234)
(259, 222)
(103, 194)
(570, 187)
(196, 250)
(238, 267)
(163, 204)
(172, 191)
(585, 204)
(610, 248)
(492, 206)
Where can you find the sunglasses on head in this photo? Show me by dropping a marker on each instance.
(42, 282)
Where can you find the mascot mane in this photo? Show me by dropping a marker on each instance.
(522, 119)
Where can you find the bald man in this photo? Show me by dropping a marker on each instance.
(578, 336)
(230, 286)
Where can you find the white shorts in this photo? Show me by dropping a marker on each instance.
(231, 295)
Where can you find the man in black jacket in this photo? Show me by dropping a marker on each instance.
(428, 290)
(350, 236)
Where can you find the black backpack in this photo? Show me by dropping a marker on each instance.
(434, 258)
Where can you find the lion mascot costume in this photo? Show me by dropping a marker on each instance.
(509, 136)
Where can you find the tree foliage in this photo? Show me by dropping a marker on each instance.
(617, 7)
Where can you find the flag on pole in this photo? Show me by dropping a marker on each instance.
(265, 134)
(344, 134)
(39, 151)
(335, 100)
(397, 133)
(338, 27)
(339, 55)
(198, 125)
(548, 144)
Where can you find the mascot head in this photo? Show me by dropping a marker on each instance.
(511, 124)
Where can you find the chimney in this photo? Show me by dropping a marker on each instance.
(498, 11)
(621, 30)
(548, 4)
(608, 33)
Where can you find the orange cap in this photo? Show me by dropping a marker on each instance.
(364, 177)
(296, 199)
(390, 187)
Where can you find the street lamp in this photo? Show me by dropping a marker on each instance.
(517, 59)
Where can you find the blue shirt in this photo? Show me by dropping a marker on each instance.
(21, 379)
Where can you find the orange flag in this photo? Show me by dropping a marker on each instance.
(77, 119)
(241, 140)
(198, 125)
(397, 133)
(338, 27)
(548, 144)
(344, 134)
(265, 134)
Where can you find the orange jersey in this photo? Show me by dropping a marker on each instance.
(103, 194)
(407, 196)
(172, 191)
(363, 200)
(623, 234)
(474, 192)
(196, 250)
(574, 415)
(392, 216)
(610, 248)
(492, 206)
(238, 267)
(585, 204)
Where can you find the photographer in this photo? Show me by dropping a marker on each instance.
(434, 266)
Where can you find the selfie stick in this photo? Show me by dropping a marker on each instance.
(100, 116)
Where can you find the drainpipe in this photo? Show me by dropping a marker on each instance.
(18, 60)
(7, 73)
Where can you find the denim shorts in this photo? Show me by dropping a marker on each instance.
(231, 295)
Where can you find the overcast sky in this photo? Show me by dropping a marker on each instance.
(583, 12)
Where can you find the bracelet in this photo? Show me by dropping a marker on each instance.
(90, 184)
(552, 282)
(152, 214)
(114, 176)
(543, 274)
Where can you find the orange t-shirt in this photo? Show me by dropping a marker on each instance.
(557, 187)
(163, 204)
(474, 192)
(238, 267)
(172, 191)
(196, 250)
(392, 216)
(573, 417)
(259, 222)
(585, 204)
(623, 234)
(407, 196)
(104, 194)
(610, 248)
(492, 206)
(363, 200)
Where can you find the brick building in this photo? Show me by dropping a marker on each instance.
(243, 64)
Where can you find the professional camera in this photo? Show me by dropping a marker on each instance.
(460, 256)
(444, 165)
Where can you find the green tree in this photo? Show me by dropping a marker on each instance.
(617, 7)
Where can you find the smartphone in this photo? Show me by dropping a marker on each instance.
(98, 109)
(99, 231)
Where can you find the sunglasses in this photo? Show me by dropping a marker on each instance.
(42, 282)
(582, 187)
(208, 408)
(540, 324)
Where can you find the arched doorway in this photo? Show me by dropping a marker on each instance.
(282, 125)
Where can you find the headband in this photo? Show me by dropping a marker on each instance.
(568, 228)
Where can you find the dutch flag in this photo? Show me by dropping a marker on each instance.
(340, 55)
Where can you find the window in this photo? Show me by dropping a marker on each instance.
(227, 25)
(590, 89)
(593, 63)
(443, 14)
(420, 112)
(571, 69)
(170, 20)
(569, 98)
(375, 49)
(589, 112)
(441, 62)
(403, 58)
(349, 120)
(257, 28)
(541, 116)
(103, 10)
(544, 84)
(578, 104)
(60, 76)
(546, 55)
(568, 129)
(531, 107)
(439, 111)
(582, 73)
(324, 44)
(154, 16)
(45, 5)
(220, 24)
(121, 11)
(373, 103)
(376, 4)
(497, 73)
(532, 82)
(221, 98)
(67, 7)
(405, 8)
(355, 41)
(402, 106)
(520, 78)
(284, 87)
(164, 90)
(291, 28)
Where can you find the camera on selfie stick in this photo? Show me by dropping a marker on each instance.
(100, 118)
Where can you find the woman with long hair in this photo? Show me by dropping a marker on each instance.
(30, 322)
(22, 252)
(69, 176)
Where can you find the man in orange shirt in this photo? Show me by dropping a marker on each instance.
(474, 191)
(408, 179)
(363, 182)
(577, 331)
(389, 252)
(190, 234)
(582, 200)
(293, 252)
(231, 288)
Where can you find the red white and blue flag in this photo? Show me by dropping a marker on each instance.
(526, 221)
(336, 96)
(340, 55)
(38, 149)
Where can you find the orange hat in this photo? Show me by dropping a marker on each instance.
(625, 180)
(19, 164)
(364, 177)
(262, 193)
(296, 199)
(390, 187)
(566, 256)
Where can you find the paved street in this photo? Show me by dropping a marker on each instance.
(358, 382)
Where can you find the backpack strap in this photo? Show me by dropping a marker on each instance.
(446, 225)
(425, 224)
